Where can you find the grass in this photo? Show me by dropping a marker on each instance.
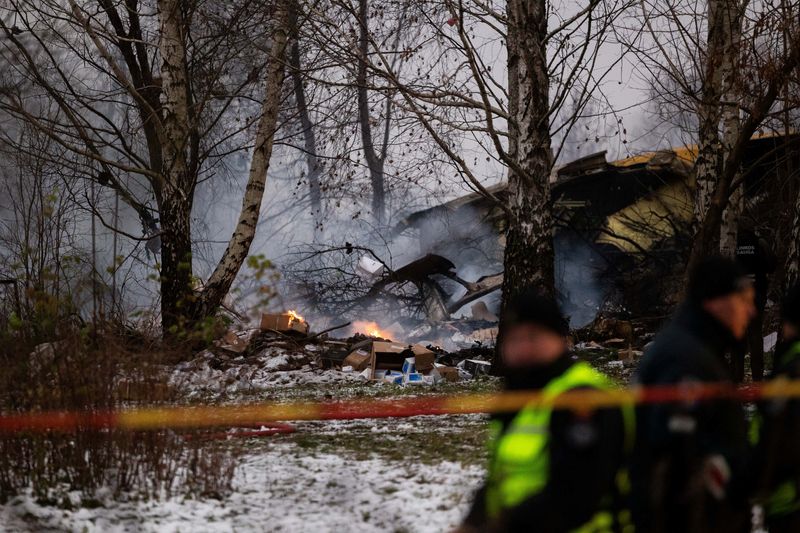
(422, 439)
(357, 389)
(425, 440)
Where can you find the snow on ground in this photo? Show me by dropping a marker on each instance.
(268, 370)
(407, 475)
(283, 488)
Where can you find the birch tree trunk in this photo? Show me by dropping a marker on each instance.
(166, 72)
(528, 260)
(235, 254)
(729, 230)
(718, 206)
(711, 151)
(175, 205)
(177, 295)
(708, 227)
(731, 123)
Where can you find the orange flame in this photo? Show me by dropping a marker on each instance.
(370, 329)
(294, 317)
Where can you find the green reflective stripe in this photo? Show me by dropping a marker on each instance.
(792, 353)
(601, 522)
(520, 461)
(629, 422)
(623, 481)
(754, 431)
(783, 500)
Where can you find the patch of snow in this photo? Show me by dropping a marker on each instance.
(284, 489)
(271, 369)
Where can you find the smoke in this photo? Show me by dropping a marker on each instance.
(577, 269)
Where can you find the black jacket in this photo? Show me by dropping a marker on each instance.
(585, 455)
(675, 439)
(776, 459)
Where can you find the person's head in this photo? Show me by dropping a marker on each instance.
(722, 288)
(790, 314)
(534, 331)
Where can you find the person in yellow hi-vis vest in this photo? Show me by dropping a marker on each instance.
(552, 470)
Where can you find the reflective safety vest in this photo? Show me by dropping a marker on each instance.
(783, 499)
(520, 461)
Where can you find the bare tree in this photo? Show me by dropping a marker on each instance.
(451, 82)
(307, 127)
(40, 249)
(730, 82)
(374, 159)
(183, 76)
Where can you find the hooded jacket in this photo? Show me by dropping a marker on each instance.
(675, 440)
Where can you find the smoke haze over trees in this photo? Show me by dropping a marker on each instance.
(158, 144)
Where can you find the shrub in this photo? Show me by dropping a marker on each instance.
(99, 370)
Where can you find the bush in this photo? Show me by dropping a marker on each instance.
(98, 371)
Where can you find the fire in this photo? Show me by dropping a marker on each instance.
(371, 329)
(294, 316)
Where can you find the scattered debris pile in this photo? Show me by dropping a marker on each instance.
(397, 363)
(283, 351)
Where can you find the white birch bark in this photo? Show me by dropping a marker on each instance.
(239, 246)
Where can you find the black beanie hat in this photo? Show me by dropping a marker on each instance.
(715, 277)
(533, 307)
(790, 310)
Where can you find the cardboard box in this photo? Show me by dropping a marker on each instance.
(423, 358)
(394, 378)
(409, 365)
(392, 356)
(414, 378)
(388, 355)
(449, 373)
(476, 367)
(283, 322)
(358, 359)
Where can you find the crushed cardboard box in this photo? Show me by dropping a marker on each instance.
(358, 359)
(393, 355)
(233, 343)
(448, 373)
(284, 322)
(402, 363)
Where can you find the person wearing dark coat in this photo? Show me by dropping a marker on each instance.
(689, 461)
(775, 431)
(758, 261)
(550, 470)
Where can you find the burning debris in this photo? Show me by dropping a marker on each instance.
(284, 351)
(286, 322)
(371, 329)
